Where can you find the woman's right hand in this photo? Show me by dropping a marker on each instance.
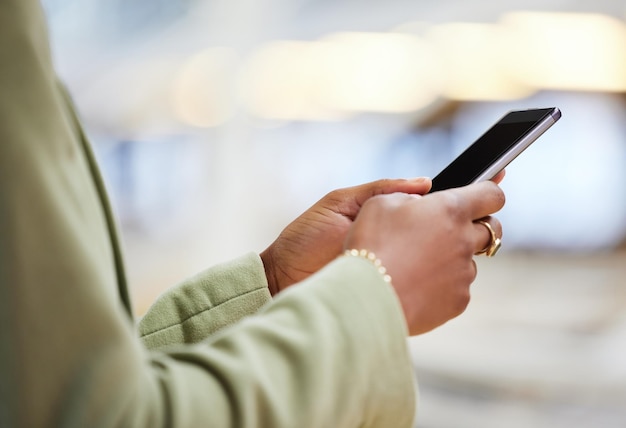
(427, 244)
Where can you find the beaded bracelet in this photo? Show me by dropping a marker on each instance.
(368, 255)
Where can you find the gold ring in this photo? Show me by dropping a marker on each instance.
(494, 242)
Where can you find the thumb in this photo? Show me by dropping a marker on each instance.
(418, 186)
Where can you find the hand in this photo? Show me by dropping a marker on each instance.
(317, 236)
(427, 245)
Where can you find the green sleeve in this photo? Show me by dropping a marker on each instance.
(328, 352)
(206, 303)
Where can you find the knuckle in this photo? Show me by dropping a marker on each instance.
(497, 195)
(463, 301)
(337, 196)
(473, 271)
(450, 203)
(500, 197)
(496, 225)
(383, 183)
(378, 201)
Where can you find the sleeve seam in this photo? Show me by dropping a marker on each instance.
(195, 314)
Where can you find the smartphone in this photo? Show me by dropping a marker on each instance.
(496, 148)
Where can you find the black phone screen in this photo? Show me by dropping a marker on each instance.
(490, 147)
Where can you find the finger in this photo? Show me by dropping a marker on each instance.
(499, 177)
(420, 186)
(484, 238)
(480, 199)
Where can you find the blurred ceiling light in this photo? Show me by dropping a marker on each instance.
(471, 55)
(378, 72)
(342, 74)
(282, 82)
(567, 51)
(412, 27)
(203, 90)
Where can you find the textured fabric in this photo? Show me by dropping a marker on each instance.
(206, 303)
(329, 352)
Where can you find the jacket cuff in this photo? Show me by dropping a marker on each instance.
(371, 315)
(206, 303)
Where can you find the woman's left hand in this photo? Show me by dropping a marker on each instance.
(317, 236)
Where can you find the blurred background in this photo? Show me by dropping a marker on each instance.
(217, 122)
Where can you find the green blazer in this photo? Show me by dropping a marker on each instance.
(215, 351)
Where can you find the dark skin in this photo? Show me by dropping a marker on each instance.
(318, 235)
(427, 245)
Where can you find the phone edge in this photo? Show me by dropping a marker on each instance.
(522, 145)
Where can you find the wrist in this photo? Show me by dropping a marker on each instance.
(371, 257)
(270, 273)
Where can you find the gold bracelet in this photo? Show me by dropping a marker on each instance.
(368, 255)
